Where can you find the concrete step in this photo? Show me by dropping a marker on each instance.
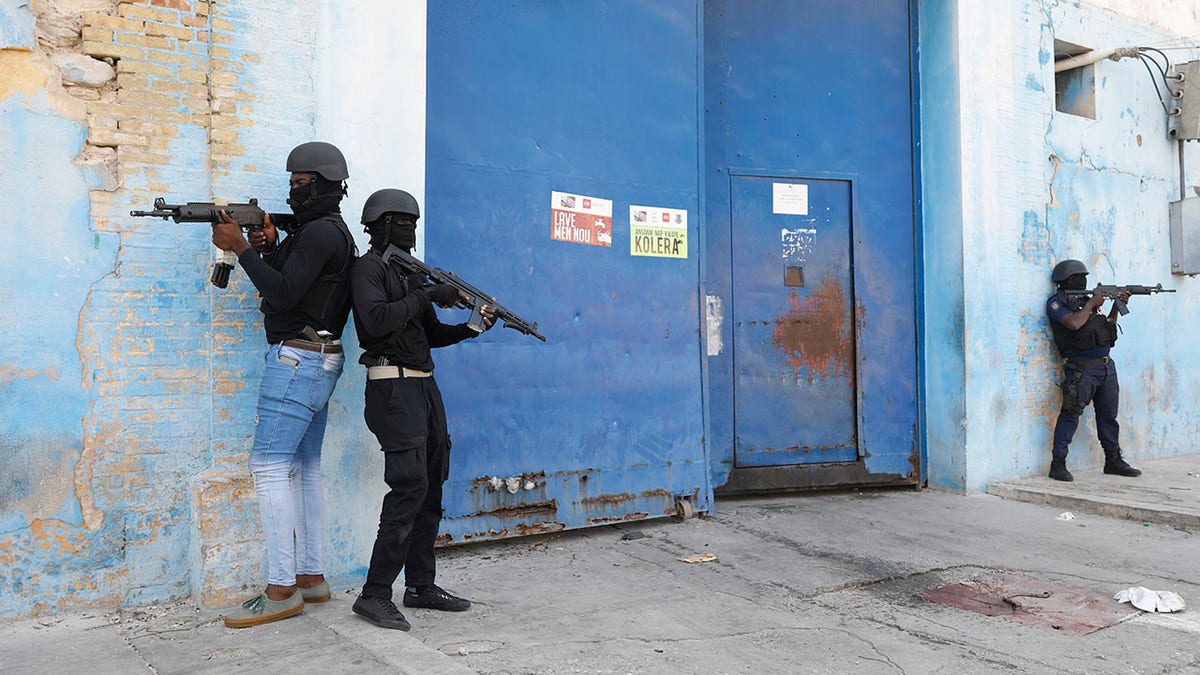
(1167, 492)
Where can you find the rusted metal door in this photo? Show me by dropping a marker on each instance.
(812, 384)
(793, 322)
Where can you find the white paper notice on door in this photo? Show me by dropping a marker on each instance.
(790, 199)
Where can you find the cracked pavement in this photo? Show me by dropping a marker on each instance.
(816, 583)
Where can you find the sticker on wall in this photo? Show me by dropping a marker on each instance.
(658, 232)
(789, 199)
(798, 244)
(580, 219)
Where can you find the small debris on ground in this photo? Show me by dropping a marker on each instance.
(698, 558)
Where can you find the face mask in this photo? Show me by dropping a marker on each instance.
(316, 199)
(1075, 282)
(384, 232)
(404, 236)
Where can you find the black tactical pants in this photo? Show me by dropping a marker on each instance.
(408, 418)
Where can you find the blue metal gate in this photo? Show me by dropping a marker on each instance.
(780, 132)
(810, 227)
(596, 99)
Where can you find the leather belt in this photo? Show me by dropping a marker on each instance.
(306, 345)
(1093, 362)
(393, 372)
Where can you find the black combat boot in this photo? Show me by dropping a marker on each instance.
(1058, 470)
(1114, 464)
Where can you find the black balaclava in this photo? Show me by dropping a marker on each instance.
(316, 199)
(1075, 282)
(399, 229)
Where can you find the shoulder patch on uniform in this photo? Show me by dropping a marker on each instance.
(1054, 305)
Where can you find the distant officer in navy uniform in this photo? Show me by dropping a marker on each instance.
(1084, 337)
(397, 327)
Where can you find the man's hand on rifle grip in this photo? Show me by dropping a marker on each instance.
(227, 235)
(264, 239)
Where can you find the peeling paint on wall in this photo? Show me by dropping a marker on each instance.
(114, 386)
(714, 317)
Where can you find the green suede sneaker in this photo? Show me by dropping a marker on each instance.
(260, 609)
(318, 593)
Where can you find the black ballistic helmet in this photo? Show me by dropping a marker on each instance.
(1066, 269)
(389, 200)
(319, 158)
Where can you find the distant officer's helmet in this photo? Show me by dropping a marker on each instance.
(1067, 268)
(320, 158)
(389, 200)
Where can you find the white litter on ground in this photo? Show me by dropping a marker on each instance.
(1150, 601)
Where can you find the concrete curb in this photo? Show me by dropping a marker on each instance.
(1161, 497)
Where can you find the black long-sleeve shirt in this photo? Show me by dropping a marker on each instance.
(394, 318)
(285, 277)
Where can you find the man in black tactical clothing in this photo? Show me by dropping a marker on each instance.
(397, 326)
(1084, 338)
(304, 282)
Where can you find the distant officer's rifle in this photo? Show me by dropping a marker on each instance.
(1114, 292)
(469, 297)
(248, 216)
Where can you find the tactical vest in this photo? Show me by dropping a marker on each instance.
(328, 299)
(1097, 332)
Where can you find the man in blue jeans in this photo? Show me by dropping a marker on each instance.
(1084, 338)
(303, 280)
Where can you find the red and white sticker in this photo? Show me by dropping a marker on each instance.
(580, 219)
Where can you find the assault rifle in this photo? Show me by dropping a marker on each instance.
(469, 297)
(1115, 291)
(248, 216)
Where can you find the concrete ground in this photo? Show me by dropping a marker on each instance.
(817, 583)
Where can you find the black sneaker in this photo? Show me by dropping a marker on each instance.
(381, 612)
(434, 597)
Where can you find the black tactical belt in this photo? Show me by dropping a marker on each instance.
(1092, 362)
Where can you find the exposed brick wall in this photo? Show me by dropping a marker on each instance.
(161, 504)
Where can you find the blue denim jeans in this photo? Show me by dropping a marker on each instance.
(293, 403)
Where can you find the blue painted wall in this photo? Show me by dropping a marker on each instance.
(1012, 186)
(943, 374)
(41, 290)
